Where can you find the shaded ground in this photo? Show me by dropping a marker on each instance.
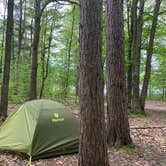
(148, 133)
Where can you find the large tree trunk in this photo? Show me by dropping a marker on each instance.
(118, 125)
(93, 149)
(136, 60)
(149, 54)
(6, 75)
(33, 86)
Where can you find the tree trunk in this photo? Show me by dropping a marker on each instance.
(134, 39)
(132, 43)
(3, 39)
(20, 31)
(19, 47)
(33, 86)
(77, 81)
(69, 54)
(163, 93)
(118, 125)
(25, 37)
(93, 149)
(31, 38)
(150, 88)
(43, 52)
(45, 67)
(6, 75)
(136, 61)
(149, 54)
(129, 69)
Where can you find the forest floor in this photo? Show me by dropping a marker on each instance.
(148, 134)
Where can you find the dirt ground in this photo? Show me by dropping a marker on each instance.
(148, 134)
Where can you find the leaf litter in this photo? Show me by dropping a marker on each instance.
(148, 134)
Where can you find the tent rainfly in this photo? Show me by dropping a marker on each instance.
(40, 129)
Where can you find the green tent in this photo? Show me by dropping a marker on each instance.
(40, 129)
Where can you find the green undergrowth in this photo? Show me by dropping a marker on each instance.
(130, 149)
(137, 115)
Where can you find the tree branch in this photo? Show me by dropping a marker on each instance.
(49, 1)
(69, 1)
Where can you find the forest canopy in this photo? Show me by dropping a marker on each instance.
(58, 49)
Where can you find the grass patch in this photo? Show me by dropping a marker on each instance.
(137, 115)
(131, 149)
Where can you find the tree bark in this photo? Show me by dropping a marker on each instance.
(93, 149)
(129, 69)
(118, 125)
(132, 44)
(136, 60)
(33, 86)
(8, 49)
(149, 54)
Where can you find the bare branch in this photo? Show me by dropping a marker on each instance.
(69, 1)
(49, 1)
